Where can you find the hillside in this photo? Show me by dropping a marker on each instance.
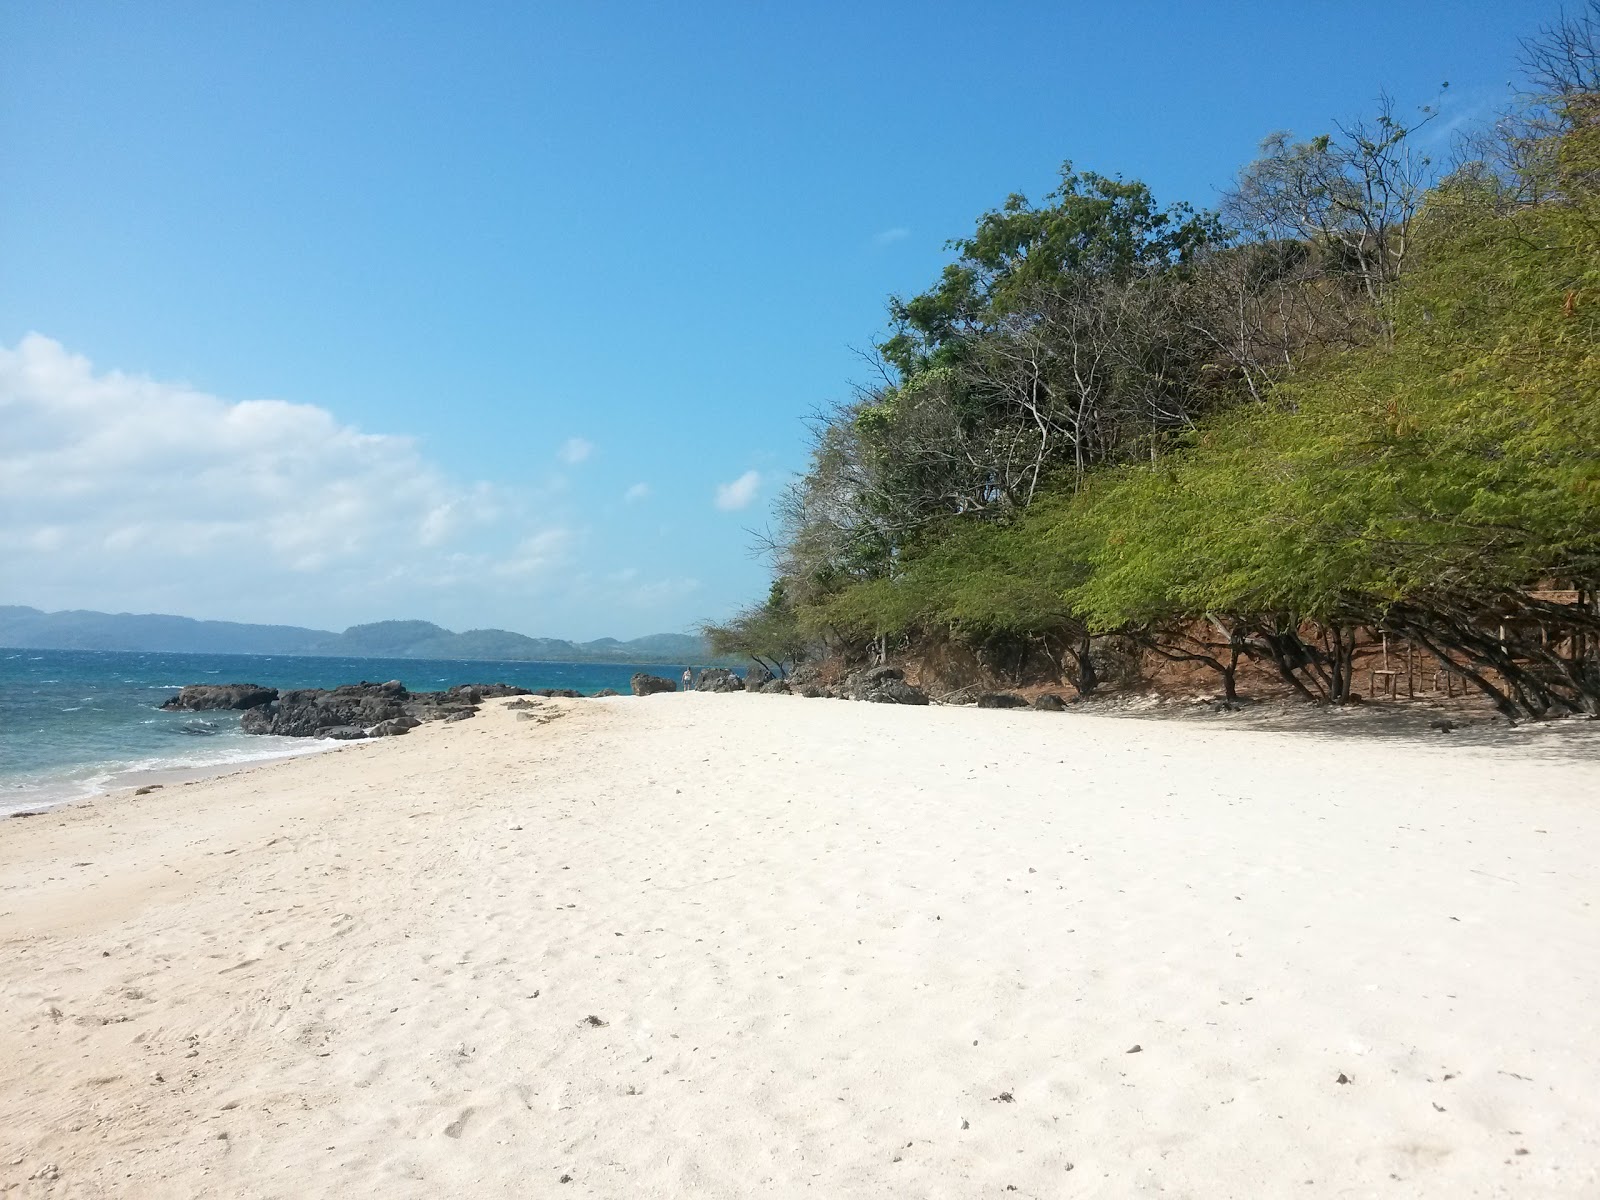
(29, 628)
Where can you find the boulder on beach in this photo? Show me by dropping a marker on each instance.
(607, 692)
(1001, 700)
(311, 712)
(342, 733)
(393, 727)
(718, 679)
(201, 697)
(474, 693)
(1050, 702)
(645, 684)
(883, 685)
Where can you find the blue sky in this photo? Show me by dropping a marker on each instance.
(546, 291)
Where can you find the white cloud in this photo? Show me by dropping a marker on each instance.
(535, 555)
(887, 237)
(575, 450)
(129, 493)
(736, 495)
(639, 491)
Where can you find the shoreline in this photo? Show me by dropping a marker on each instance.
(113, 780)
(1418, 721)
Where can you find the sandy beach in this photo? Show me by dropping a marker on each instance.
(739, 946)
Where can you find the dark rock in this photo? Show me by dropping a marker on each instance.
(519, 704)
(772, 687)
(1001, 700)
(643, 684)
(199, 697)
(1050, 702)
(306, 712)
(475, 693)
(882, 685)
(564, 693)
(607, 692)
(393, 727)
(895, 691)
(462, 715)
(343, 733)
(311, 712)
(812, 692)
(1116, 660)
(718, 679)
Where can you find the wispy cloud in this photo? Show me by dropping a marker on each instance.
(535, 555)
(731, 497)
(639, 491)
(575, 450)
(887, 237)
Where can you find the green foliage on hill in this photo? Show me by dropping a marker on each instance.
(1373, 406)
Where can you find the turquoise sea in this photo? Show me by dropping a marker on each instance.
(75, 722)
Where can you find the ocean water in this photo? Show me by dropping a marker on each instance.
(76, 722)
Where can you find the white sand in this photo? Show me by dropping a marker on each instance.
(837, 949)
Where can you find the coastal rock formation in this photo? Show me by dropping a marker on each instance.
(883, 685)
(343, 733)
(393, 727)
(719, 679)
(607, 692)
(359, 710)
(1050, 702)
(772, 687)
(644, 684)
(474, 693)
(1001, 700)
(201, 697)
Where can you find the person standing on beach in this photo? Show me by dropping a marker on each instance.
(688, 678)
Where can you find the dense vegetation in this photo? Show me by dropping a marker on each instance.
(1363, 399)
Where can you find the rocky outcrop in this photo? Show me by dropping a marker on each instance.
(476, 693)
(883, 685)
(202, 697)
(772, 687)
(1001, 700)
(718, 679)
(343, 733)
(358, 710)
(644, 684)
(607, 692)
(1050, 702)
(393, 727)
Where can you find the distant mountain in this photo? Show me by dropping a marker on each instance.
(28, 628)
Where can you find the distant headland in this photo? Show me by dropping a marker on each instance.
(32, 629)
